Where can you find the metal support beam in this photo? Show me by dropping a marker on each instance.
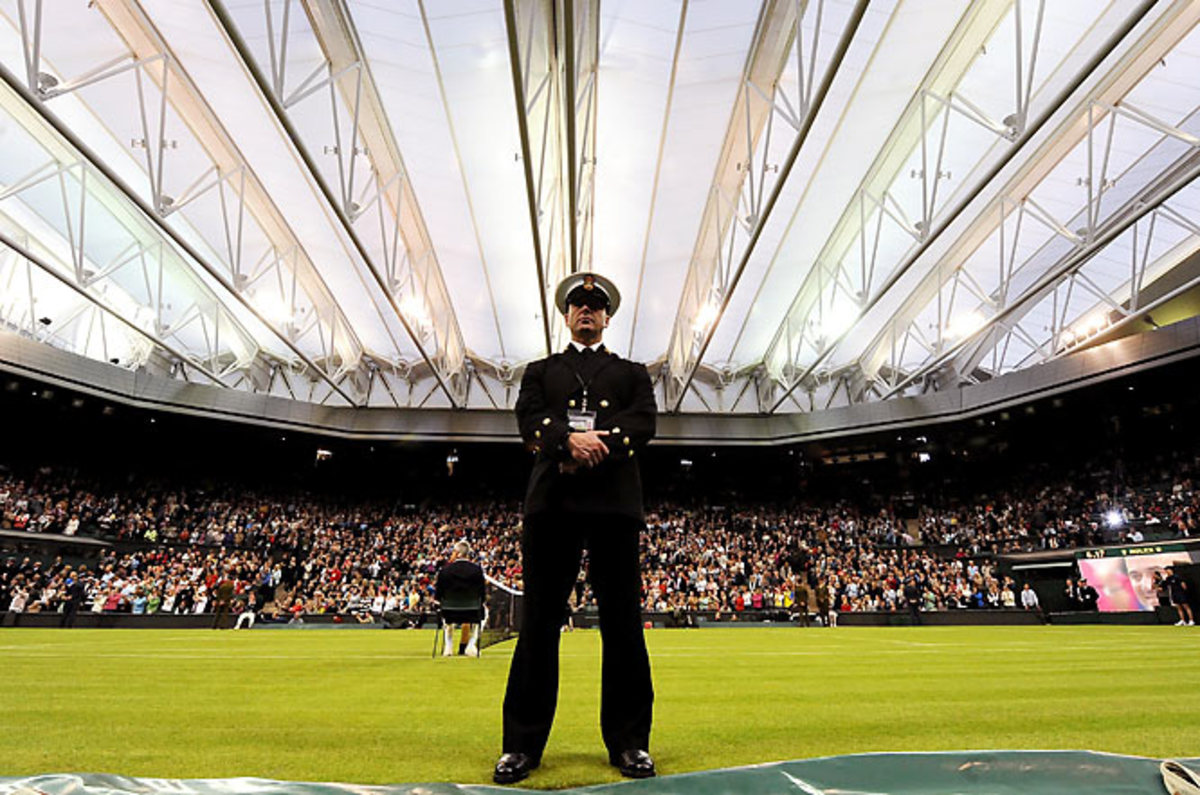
(1165, 31)
(1179, 177)
(369, 175)
(802, 344)
(1010, 214)
(553, 53)
(36, 98)
(147, 283)
(277, 275)
(53, 326)
(736, 213)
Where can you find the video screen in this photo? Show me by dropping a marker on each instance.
(1126, 582)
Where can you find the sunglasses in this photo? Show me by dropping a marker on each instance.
(591, 301)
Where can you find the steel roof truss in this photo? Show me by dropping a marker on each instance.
(369, 173)
(745, 185)
(149, 57)
(554, 53)
(96, 307)
(1094, 225)
(1167, 30)
(804, 335)
(1066, 335)
(1120, 224)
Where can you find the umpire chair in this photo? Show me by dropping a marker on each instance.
(456, 608)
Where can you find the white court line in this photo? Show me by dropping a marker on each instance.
(183, 655)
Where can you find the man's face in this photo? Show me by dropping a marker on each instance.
(587, 322)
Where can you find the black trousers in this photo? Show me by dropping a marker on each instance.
(551, 546)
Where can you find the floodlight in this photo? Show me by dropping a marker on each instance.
(707, 314)
(964, 325)
(414, 310)
(274, 308)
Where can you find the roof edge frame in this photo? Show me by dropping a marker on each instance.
(1172, 344)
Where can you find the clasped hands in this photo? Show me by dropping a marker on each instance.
(587, 449)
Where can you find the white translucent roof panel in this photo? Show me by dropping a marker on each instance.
(904, 43)
(757, 303)
(226, 84)
(471, 43)
(441, 84)
(637, 45)
(1063, 47)
(711, 62)
(394, 40)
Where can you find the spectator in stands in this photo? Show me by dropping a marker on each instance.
(19, 599)
(222, 600)
(1071, 594)
(1029, 598)
(693, 558)
(801, 600)
(912, 598)
(76, 591)
(247, 613)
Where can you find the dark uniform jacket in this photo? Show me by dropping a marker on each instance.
(460, 577)
(620, 393)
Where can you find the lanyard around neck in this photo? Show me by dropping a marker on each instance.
(586, 384)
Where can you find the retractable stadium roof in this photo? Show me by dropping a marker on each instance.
(807, 204)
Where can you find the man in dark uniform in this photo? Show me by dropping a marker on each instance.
(1177, 591)
(586, 412)
(1089, 597)
(222, 600)
(912, 598)
(75, 593)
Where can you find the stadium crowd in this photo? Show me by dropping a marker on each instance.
(287, 555)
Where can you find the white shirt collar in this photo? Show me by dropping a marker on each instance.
(579, 346)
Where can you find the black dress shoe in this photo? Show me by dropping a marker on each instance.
(511, 768)
(633, 764)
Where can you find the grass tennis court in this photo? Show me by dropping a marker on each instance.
(372, 707)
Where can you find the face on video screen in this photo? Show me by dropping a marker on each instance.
(1110, 579)
(1127, 583)
(1142, 570)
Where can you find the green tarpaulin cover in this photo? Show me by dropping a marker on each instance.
(960, 773)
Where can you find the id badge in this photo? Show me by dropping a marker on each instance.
(581, 420)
